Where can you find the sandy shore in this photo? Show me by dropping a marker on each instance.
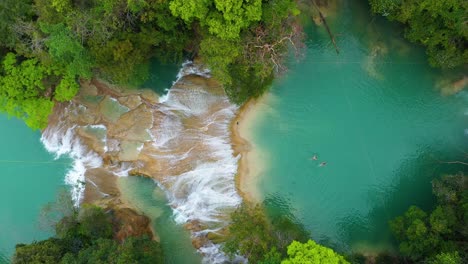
(252, 160)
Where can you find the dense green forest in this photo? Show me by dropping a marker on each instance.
(439, 236)
(441, 26)
(88, 235)
(47, 46)
(273, 239)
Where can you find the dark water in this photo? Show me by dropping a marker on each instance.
(373, 113)
(162, 75)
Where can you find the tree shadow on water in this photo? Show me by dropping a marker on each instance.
(411, 185)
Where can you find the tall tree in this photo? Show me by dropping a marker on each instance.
(313, 253)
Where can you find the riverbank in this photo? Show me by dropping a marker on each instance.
(252, 161)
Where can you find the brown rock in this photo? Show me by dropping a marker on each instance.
(150, 96)
(131, 101)
(129, 223)
(133, 125)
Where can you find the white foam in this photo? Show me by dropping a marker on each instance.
(63, 141)
(163, 98)
(190, 68)
(213, 254)
(122, 169)
(206, 192)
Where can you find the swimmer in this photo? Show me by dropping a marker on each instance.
(314, 157)
(322, 164)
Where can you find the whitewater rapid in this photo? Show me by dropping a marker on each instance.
(184, 146)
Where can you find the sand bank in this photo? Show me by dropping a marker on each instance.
(252, 160)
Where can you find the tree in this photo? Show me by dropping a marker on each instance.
(86, 237)
(27, 89)
(414, 231)
(67, 52)
(47, 252)
(249, 233)
(12, 12)
(313, 253)
(94, 222)
(439, 25)
(247, 65)
(224, 19)
(446, 258)
(435, 236)
(259, 238)
(22, 92)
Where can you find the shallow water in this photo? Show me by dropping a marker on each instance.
(30, 178)
(372, 113)
(144, 195)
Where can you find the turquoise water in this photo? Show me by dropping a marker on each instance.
(30, 178)
(373, 114)
(144, 195)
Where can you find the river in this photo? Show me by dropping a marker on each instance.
(374, 114)
(30, 178)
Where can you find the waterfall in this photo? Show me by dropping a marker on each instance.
(181, 140)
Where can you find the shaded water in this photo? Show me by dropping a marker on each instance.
(373, 114)
(30, 178)
(146, 197)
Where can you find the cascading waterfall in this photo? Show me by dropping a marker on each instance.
(63, 141)
(181, 140)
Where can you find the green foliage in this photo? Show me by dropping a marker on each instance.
(62, 5)
(66, 89)
(219, 54)
(11, 13)
(247, 66)
(245, 83)
(133, 250)
(86, 237)
(66, 51)
(272, 257)
(439, 25)
(249, 233)
(22, 91)
(446, 258)
(121, 60)
(115, 40)
(435, 235)
(223, 18)
(254, 236)
(47, 252)
(94, 222)
(313, 253)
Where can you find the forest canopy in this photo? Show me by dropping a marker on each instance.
(49, 45)
(88, 235)
(441, 26)
(438, 236)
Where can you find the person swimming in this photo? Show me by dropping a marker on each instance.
(314, 157)
(322, 164)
